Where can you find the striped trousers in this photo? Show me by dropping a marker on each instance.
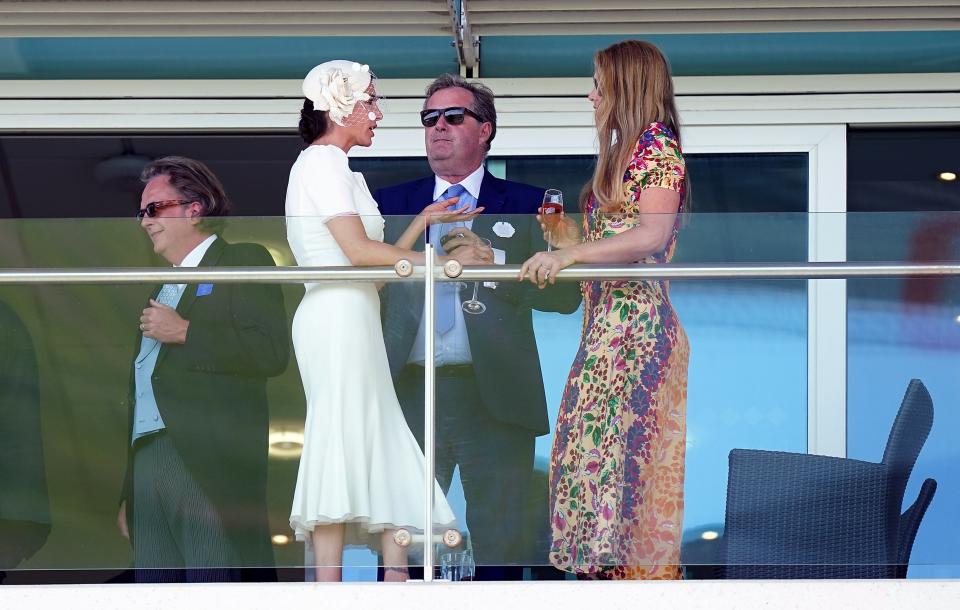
(177, 533)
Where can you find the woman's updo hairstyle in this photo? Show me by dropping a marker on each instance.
(313, 123)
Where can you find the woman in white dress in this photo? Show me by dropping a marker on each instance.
(361, 471)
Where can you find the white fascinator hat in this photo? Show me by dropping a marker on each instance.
(336, 86)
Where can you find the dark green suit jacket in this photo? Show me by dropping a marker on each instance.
(211, 392)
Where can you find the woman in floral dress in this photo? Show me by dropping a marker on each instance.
(617, 466)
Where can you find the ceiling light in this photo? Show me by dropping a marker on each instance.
(280, 539)
(709, 535)
(947, 176)
(285, 442)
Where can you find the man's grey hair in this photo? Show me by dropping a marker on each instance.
(483, 98)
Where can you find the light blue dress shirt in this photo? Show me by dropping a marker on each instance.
(453, 346)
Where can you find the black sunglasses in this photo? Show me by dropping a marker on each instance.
(453, 116)
(150, 210)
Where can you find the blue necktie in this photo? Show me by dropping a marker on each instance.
(446, 299)
(167, 296)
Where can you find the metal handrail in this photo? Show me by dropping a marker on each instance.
(767, 271)
(153, 275)
(404, 270)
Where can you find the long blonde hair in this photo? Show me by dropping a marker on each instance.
(636, 89)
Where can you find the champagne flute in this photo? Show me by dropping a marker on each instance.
(473, 305)
(551, 211)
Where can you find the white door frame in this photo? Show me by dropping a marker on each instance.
(826, 149)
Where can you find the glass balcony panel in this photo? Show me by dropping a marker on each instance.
(746, 384)
(743, 334)
(71, 408)
(900, 329)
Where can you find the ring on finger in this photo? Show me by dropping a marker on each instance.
(141, 326)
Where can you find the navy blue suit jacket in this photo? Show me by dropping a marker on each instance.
(504, 349)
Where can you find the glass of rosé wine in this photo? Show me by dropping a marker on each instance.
(551, 213)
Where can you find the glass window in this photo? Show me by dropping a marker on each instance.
(97, 176)
(899, 329)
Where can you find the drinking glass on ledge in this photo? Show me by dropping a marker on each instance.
(457, 565)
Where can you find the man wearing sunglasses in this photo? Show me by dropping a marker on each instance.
(489, 393)
(194, 497)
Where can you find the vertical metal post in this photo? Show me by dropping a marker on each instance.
(429, 397)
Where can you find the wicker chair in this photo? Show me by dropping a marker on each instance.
(910, 523)
(793, 515)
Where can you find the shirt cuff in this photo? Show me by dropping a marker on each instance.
(499, 258)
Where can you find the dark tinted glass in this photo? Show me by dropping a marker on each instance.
(905, 328)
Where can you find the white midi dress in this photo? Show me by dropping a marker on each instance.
(360, 464)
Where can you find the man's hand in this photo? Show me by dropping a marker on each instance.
(474, 255)
(468, 247)
(122, 520)
(163, 323)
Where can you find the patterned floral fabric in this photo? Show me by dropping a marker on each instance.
(617, 464)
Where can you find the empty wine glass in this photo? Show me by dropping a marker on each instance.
(474, 306)
(457, 565)
(551, 212)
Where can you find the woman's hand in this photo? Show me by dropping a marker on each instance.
(543, 267)
(443, 211)
(559, 230)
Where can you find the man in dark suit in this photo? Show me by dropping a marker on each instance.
(195, 491)
(490, 397)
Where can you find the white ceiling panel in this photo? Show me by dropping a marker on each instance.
(225, 18)
(557, 17)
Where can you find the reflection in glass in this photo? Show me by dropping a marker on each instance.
(24, 501)
(900, 329)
